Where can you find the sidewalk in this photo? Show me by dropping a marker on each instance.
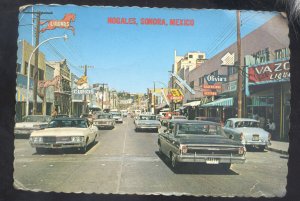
(279, 147)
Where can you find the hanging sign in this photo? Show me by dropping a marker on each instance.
(212, 79)
(210, 93)
(271, 72)
(213, 86)
(62, 24)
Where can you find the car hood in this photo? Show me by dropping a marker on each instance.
(147, 122)
(208, 140)
(29, 124)
(61, 132)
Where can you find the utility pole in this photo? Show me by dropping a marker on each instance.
(36, 58)
(84, 109)
(154, 98)
(240, 67)
(102, 94)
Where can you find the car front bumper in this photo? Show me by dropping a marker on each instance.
(147, 127)
(58, 145)
(210, 159)
(257, 143)
(25, 131)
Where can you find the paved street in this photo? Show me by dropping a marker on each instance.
(124, 161)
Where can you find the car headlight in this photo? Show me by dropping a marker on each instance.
(36, 139)
(77, 139)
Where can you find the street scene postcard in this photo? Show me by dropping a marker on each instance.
(152, 101)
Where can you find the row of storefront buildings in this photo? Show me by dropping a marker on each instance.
(266, 78)
(57, 87)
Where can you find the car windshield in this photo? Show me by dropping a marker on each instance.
(199, 129)
(80, 123)
(147, 117)
(104, 116)
(252, 124)
(33, 118)
(116, 114)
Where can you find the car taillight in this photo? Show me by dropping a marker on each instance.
(269, 136)
(183, 148)
(241, 136)
(242, 150)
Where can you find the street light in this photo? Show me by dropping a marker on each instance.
(65, 37)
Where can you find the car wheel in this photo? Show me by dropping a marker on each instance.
(174, 163)
(156, 130)
(226, 166)
(261, 148)
(83, 149)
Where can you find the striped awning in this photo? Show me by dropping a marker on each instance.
(193, 103)
(223, 102)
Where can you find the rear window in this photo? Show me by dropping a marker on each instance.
(199, 129)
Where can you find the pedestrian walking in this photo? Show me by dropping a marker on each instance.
(54, 113)
(262, 122)
(271, 126)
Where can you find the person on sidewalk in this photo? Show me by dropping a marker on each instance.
(271, 126)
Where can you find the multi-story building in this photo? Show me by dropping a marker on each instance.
(62, 100)
(23, 54)
(266, 78)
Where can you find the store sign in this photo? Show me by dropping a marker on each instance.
(272, 72)
(212, 79)
(64, 23)
(213, 86)
(230, 86)
(228, 59)
(83, 91)
(210, 93)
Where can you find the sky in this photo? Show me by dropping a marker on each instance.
(130, 57)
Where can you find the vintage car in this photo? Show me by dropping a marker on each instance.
(248, 132)
(64, 133)
(147, 122)
(31, 123)
(190, 141)
(104, 120)
(117, 116)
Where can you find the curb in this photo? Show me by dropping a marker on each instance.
(277, 151)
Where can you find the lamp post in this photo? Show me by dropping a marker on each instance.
(28, 68)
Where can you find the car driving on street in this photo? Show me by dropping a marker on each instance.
(104, 120)
(147, 122)
(199, 142)
(64, 133)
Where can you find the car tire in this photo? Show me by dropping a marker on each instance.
(156, 130)
(175, 165)
(83, 149)
(261, 148)
(226, 166)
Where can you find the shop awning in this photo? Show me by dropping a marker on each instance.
(194, 103)
(223, 102)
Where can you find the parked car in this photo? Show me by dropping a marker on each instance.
(117, 116)
(124, 113)
(147, 122)
(31, 123)
(168, 115)
(104, 120)
(248, 132)
(193, 141)
(64, 133)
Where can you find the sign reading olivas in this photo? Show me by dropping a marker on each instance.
(212, 79)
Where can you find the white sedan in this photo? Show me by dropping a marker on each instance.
(31, 123)
(64, 133)
(248, 132)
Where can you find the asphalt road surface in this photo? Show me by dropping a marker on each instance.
(127, 162)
